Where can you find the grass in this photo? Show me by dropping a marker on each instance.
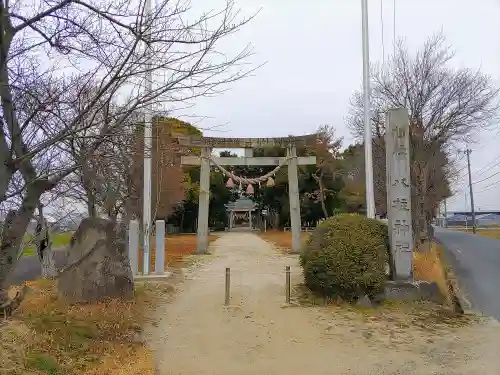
(47, 336)
(486, 232)
(427, 265)
(177, 247)
(282, 240)
(58, 240)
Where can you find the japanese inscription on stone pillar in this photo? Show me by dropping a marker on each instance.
(399, 191)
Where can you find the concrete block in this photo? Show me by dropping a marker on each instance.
(430, 292)
(401, 290)
(152, 277)
(408, 290)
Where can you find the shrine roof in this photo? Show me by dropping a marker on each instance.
(241, 204)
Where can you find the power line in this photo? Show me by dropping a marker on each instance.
(480, 171)
(489, 187)
(394, 27)
(461, 169)
(487, 178)
(382, 27)
(492, 184)
(488, 167)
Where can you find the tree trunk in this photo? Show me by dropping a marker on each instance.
(181, 224)
(14, 228)
(43, 242)
(322, 195)
(49, 270)
(319, 181)
(91, 206)
(88, 185)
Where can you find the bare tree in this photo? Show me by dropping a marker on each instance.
(445, 106)
(353, 173)
(104, 180)
(326, 149)
(105, 42)
(109, 181)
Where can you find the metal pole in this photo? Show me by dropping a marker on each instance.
(370, 194)
(228, 285)
(148, 143)
(287, 283)
(468, 151)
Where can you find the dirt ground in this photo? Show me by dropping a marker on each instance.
(195, 334)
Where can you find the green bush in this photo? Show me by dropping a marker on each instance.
(346, 256)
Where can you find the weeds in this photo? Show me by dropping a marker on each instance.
(46, 336)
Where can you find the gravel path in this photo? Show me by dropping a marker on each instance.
(194, 334)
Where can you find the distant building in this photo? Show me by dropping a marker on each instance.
(482, 220)
(488, 219)
(459, 221)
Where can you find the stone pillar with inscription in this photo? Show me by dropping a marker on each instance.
(397, 141)
(204, 201)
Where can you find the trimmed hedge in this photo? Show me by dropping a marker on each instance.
(346, 256)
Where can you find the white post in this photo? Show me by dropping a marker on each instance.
(160, 247)
(148, 143)
(133, 245)
(370, 194)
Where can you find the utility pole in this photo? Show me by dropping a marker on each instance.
(466, 216)
(148, 147)
(468, 151)
(445, 215)
(370, 194)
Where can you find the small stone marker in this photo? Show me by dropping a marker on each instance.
(364, 302)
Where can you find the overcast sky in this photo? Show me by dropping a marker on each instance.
(314, 63)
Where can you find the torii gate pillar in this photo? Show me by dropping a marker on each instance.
(293, 194)
(204, 202)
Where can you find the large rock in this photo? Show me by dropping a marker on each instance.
(98, 264)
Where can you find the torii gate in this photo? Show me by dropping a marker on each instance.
(208, 143)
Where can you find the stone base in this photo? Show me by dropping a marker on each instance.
(154, 277)
(409, 290)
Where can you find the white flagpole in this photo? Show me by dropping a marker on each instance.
(148, 143)
(370, 194)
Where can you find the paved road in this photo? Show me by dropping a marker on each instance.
(476, 264)
(28, 268)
